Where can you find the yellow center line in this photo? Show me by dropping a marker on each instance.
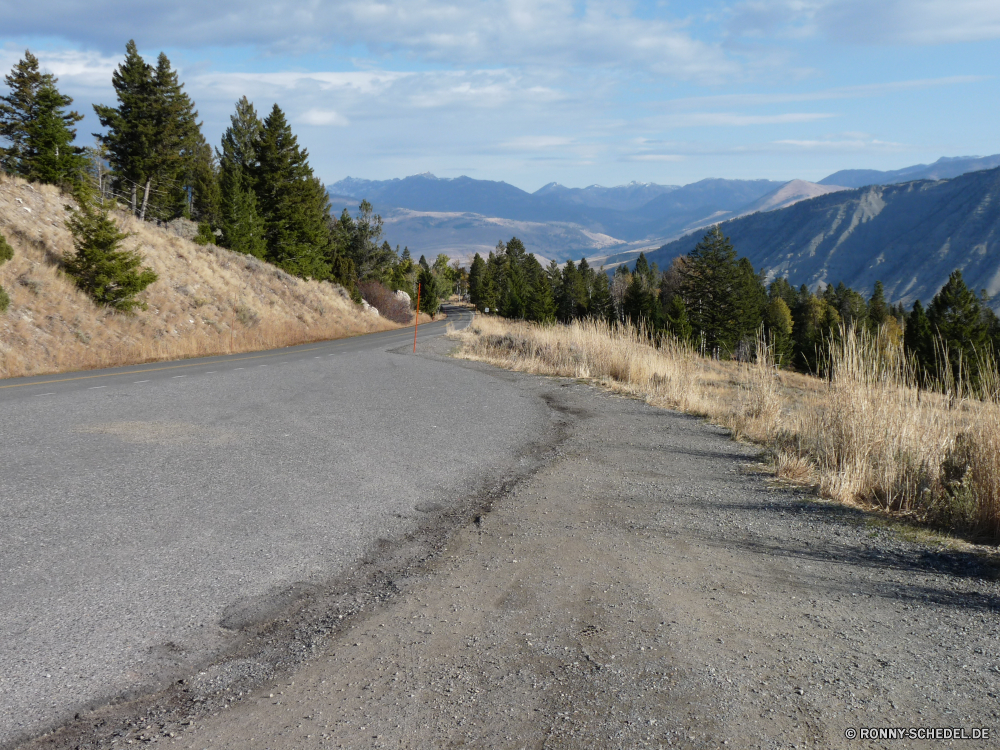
(149, 369)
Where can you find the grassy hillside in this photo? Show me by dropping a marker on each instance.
(207, 300)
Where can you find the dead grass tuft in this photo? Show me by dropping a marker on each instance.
(208, 300)
(868, 435)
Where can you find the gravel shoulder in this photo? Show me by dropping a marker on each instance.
(640, 584)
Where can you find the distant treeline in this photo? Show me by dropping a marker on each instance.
(717, 302)
(256, 193)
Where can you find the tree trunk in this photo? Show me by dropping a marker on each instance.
(133, 199)
(145, 199)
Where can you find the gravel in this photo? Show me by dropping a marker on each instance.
(639, 581)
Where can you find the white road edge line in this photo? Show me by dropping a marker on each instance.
(180, 376)
(50, 393)
(141, 381)
(95, 387)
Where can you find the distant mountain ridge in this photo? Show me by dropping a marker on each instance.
(944, 168)
(459, 215)
(910, 236)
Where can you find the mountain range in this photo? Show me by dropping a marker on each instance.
(461, 216)
(908, 228)
(910, 236)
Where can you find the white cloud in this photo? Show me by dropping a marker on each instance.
(903, 22)
(548, 33)
(536, 143)
(322, 117)
(845, 144)
(734, 119)
(654, 157)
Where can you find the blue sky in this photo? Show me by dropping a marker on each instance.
(572, 92)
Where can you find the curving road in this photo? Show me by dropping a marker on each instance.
(141, 506)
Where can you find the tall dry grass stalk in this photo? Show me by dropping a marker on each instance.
(207, 301)
(866, 435)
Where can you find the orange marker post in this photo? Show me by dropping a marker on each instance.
(416, 321)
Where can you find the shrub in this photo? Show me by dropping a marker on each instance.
(111, 276)
(385, 301)
(4, 300)
(6, 251)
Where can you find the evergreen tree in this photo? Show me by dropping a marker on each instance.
(130, 127)
(712, 281)
(541, 305)
(641, 303)
(489, 293)
(513, 288)
(429, 298)
(206, 194)
(37, 127)
(587, 277)
(110, 275)
(601, 305)
(176, 141)
(750, 302)
(956, 317)
(50, 155)
(293, 203)
(18, 109)
(569, 288)
(152, 135)
(918, 338)
(240, 218)
(477, 272)
(778, 327)
(676, 319)
(878, 310)
(372, 261)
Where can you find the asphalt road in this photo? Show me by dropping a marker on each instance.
(143, 508)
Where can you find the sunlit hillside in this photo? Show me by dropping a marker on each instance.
(207, 300)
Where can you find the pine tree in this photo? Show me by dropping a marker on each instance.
(513, 288)
(676, 318)
(240, 218)
(206, 195)
(372, 261)
(34, 121)
(477, 271)
(177, 141)
(490, 290)
(711, 283)
(956, 317)
(293, 203)
(918, 338)
(541, 305)
(110, 275)
(778, 326)
(130, 127)
(601, 306)
(50, 155)
(566, 302)
(152, 135)
(878, 310)
(18, 109)
(429, 297)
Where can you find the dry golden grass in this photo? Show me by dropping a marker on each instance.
(207, 300)
(865, 436)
